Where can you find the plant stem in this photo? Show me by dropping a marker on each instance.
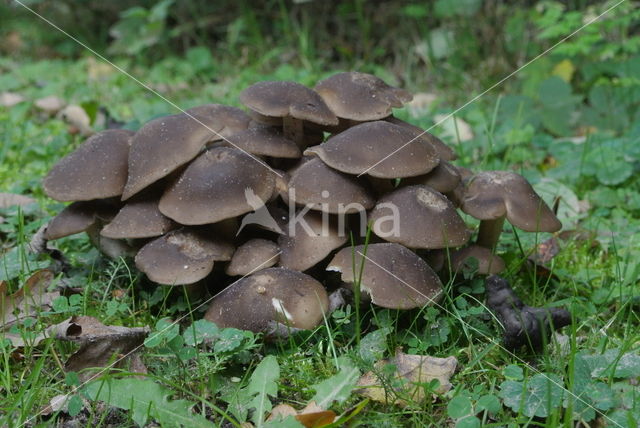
(489, 232)
(293, 130)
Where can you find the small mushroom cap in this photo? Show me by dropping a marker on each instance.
(225, 120)
(444, 152)
(97, 169)
(393, 276)
(488, 263)
(253, 255)
(50, 104)
(182, 256)
(324, 189)
(284, 98)
(221, 183)
(360, 96)
(138, 218)
(161, 146)
(265, 141)
(78, 217)
(274, 294)
(380, 149)
(493, 194)
(443, 178)
(418, 217)
(307, 240)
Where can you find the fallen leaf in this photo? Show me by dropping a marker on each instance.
(412, 372)
(9, 99)
(75, 116)
(10, 199)
(312, 416)
(50, 105)
(32, 298)
(102, 345)
(454, 127)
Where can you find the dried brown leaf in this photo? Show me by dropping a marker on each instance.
(32, 298)
(411, 371)
(312, 416)
(103, 346)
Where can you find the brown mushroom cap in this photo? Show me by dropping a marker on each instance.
(324, 189)
(302, 248)
(265, 141)
(443, 178)
(380, 149)
(253, 255)
(97, 169)
(488, 263)
(182, 256)
(490, 195)
(221, 183)
(284, 98)
(225, 120)
(78, 217)
(360, 96)
(444, 152)
(274, 294)
(138, 218)
(393, 276)
(161, 146)
(423, 218)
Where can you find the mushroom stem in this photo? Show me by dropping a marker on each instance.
(489, 232)
(293, 129)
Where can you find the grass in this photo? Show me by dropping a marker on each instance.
(595, 274)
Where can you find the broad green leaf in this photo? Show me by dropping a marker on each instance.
(338, 387)
(262, 385)
(535, 396)
(468, 422)
(513, 372)
(200, 331)
(459, 407)
(144, 398)
(490, 403)
(374, 345)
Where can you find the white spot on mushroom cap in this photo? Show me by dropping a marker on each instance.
(279, 307)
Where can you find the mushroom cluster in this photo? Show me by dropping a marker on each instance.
(285, 196)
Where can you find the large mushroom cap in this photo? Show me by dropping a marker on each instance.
(252, 256)
(182, 256)
(324, 189)
(284, 98)
(138, 218)
(161, 146)
(443, 178)
(308, 239)
(490, 195)
(271, 295)
(225, 120)
(221, 183)
(444, 152)
(380, 149)
(393, 276)
(265, 141)
(418, 217)
(97, 169)
(360, 96)
(79, 217)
